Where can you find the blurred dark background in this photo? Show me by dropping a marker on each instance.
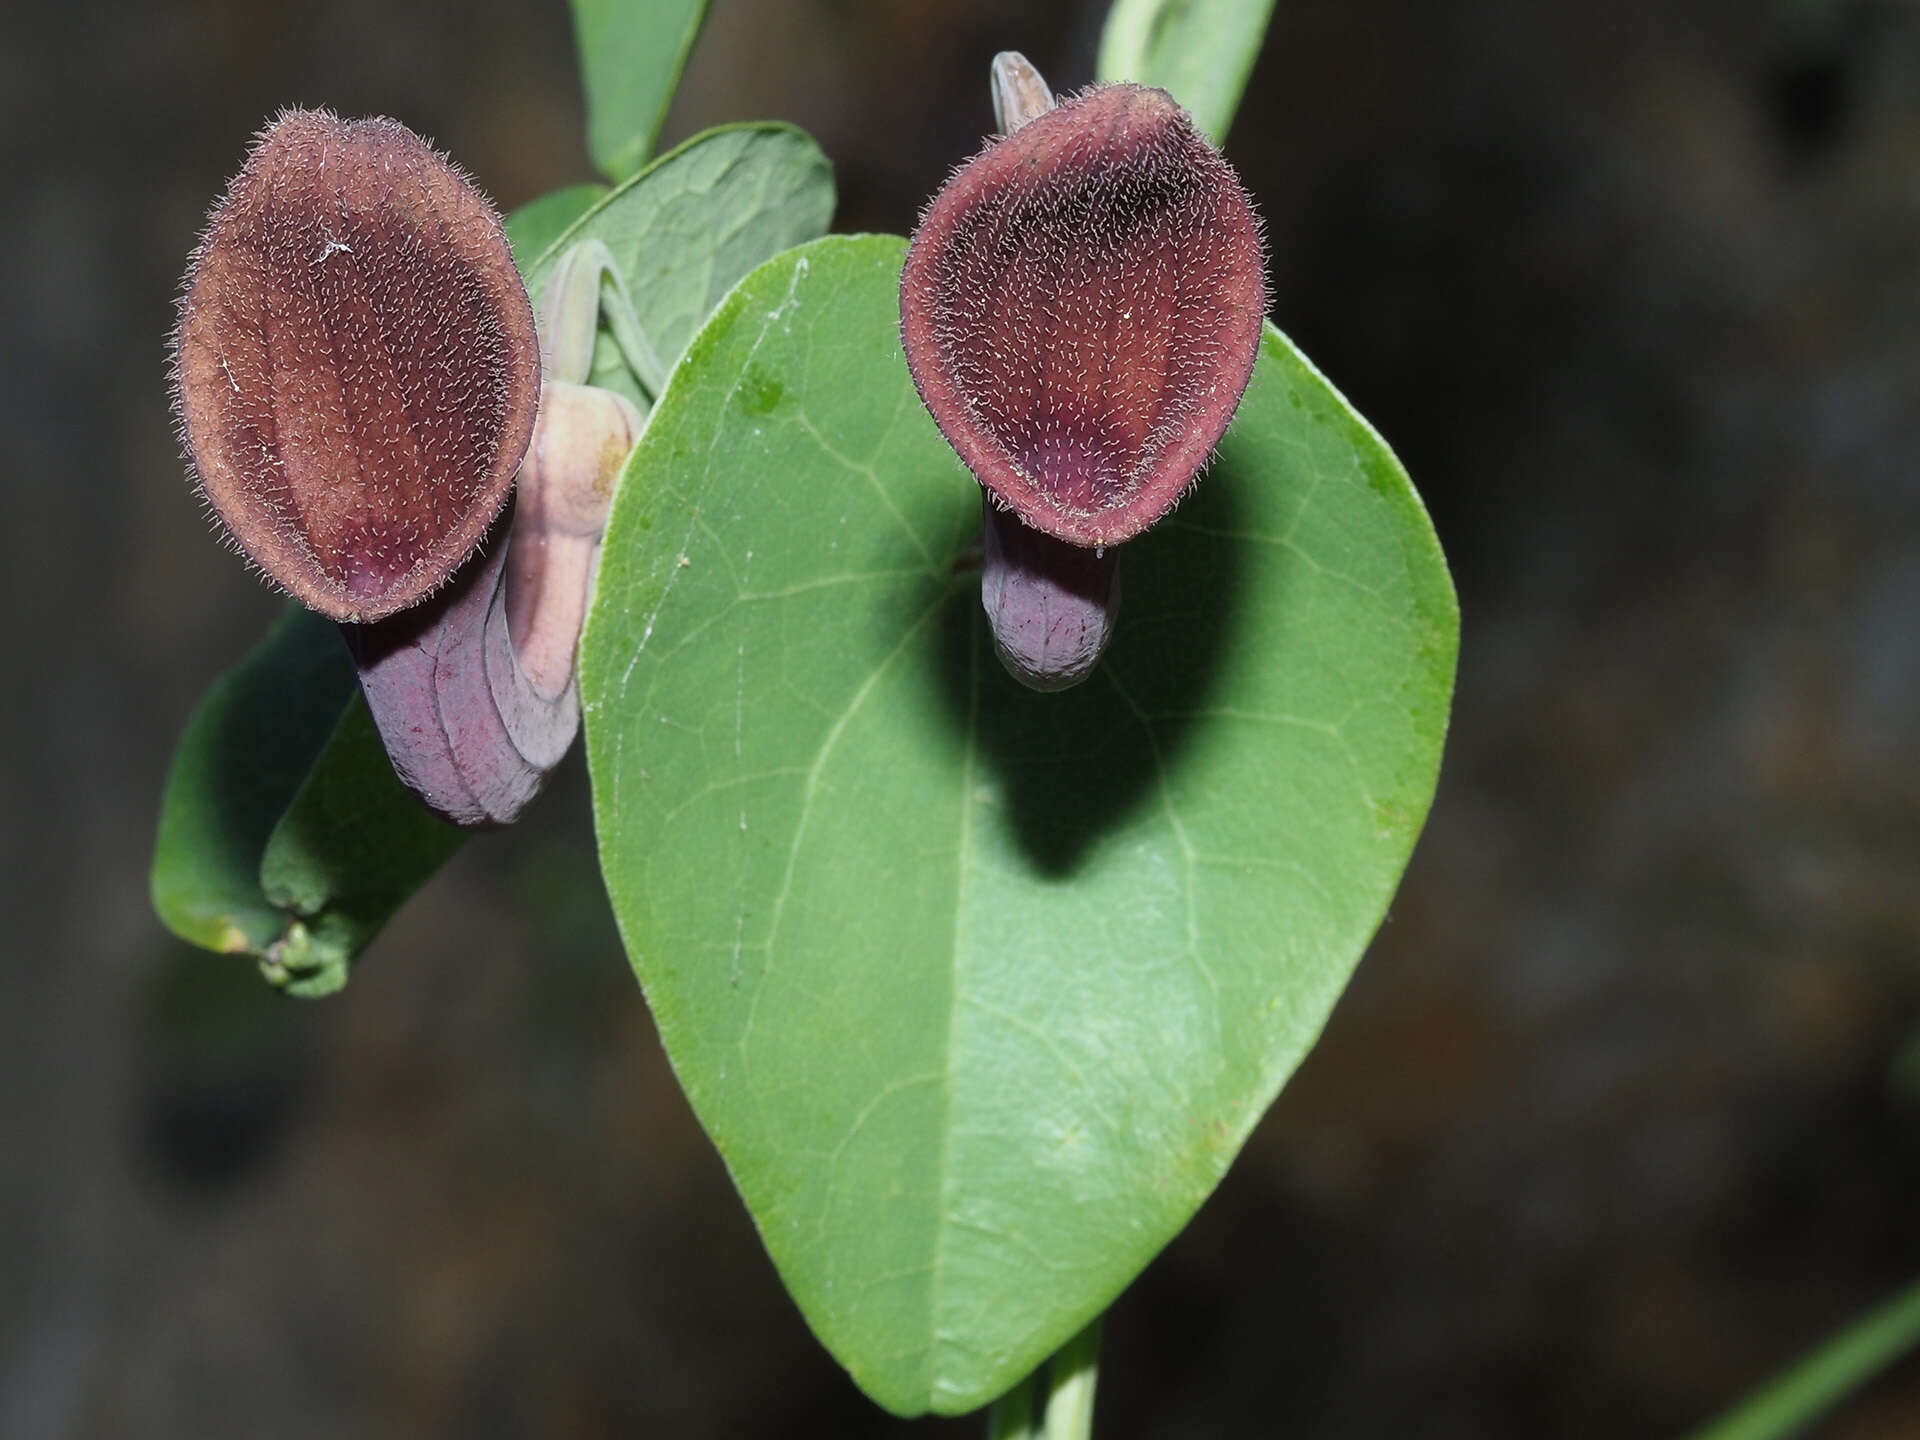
(1622, 1111)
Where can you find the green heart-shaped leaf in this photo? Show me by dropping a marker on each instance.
(977, 990)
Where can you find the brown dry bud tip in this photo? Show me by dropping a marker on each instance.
(1020, 92)
(356, 369)
(1081, 308)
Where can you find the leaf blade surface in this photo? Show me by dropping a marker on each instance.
(979, 991)
(631, 55)
(687, 227)
(351, 848)
(534, 226)
(246, 748)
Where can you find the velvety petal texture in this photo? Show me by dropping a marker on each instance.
(1081, 308)
(356, 369)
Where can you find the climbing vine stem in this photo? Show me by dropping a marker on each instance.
(1070, 1380)
(1795, 1399)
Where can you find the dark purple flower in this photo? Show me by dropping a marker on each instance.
(356, 370)
(1081, 308)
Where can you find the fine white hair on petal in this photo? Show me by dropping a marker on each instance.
(353, 367)
(1081, 309)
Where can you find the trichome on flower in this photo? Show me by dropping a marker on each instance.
(356, 370)
(1080, 309)
(358, 373)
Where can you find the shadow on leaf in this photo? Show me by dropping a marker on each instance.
(1076, 765)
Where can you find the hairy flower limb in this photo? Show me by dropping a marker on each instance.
(361, 381)
(1080, 310)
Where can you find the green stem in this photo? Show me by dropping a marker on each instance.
(1070, 1381)
(1797, 1398)
(1071, 1376)
(585, 287)
(1011, 1416)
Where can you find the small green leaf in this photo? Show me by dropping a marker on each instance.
(351, 848)
(284, 833)
(683, 230)
(979, 991)
(541, 221)
(1199, 51)
(246, 749)
(631, 56)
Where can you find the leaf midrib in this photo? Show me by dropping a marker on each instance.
(963, 875)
